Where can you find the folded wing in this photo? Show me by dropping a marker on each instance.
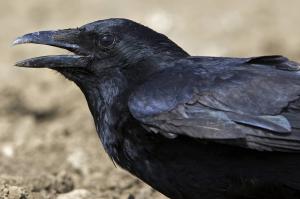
(252, 103)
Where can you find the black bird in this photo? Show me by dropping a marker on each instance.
(190, 126)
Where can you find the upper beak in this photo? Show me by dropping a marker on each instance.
(67, 39)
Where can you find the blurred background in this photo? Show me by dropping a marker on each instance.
(48, 144)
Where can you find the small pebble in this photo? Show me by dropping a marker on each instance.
(75, 194)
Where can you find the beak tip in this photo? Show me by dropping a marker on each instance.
(23, 63)
(19, 64)
(18, 41)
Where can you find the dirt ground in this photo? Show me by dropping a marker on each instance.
(48, 144)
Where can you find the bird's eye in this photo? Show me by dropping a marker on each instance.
(107, 40)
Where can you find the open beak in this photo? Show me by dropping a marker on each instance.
(67, 39)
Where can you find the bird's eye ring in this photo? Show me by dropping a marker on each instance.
(107, 40)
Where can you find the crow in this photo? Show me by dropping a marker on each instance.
(192, 127)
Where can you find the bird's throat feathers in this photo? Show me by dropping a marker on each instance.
(106, 101)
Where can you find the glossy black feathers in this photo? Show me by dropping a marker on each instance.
(190, 126)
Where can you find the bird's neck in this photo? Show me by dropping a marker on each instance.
(107, 100)
(104, 100)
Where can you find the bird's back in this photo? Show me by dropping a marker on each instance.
(182, 166)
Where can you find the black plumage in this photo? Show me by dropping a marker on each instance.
(189, 126)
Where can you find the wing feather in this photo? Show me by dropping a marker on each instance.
(252, 103)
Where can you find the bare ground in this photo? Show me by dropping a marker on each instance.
(48, 144)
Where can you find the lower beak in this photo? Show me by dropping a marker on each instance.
(66, 39)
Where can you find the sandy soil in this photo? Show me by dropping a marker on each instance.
(48, 144)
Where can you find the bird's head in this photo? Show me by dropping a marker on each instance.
(100, 46)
